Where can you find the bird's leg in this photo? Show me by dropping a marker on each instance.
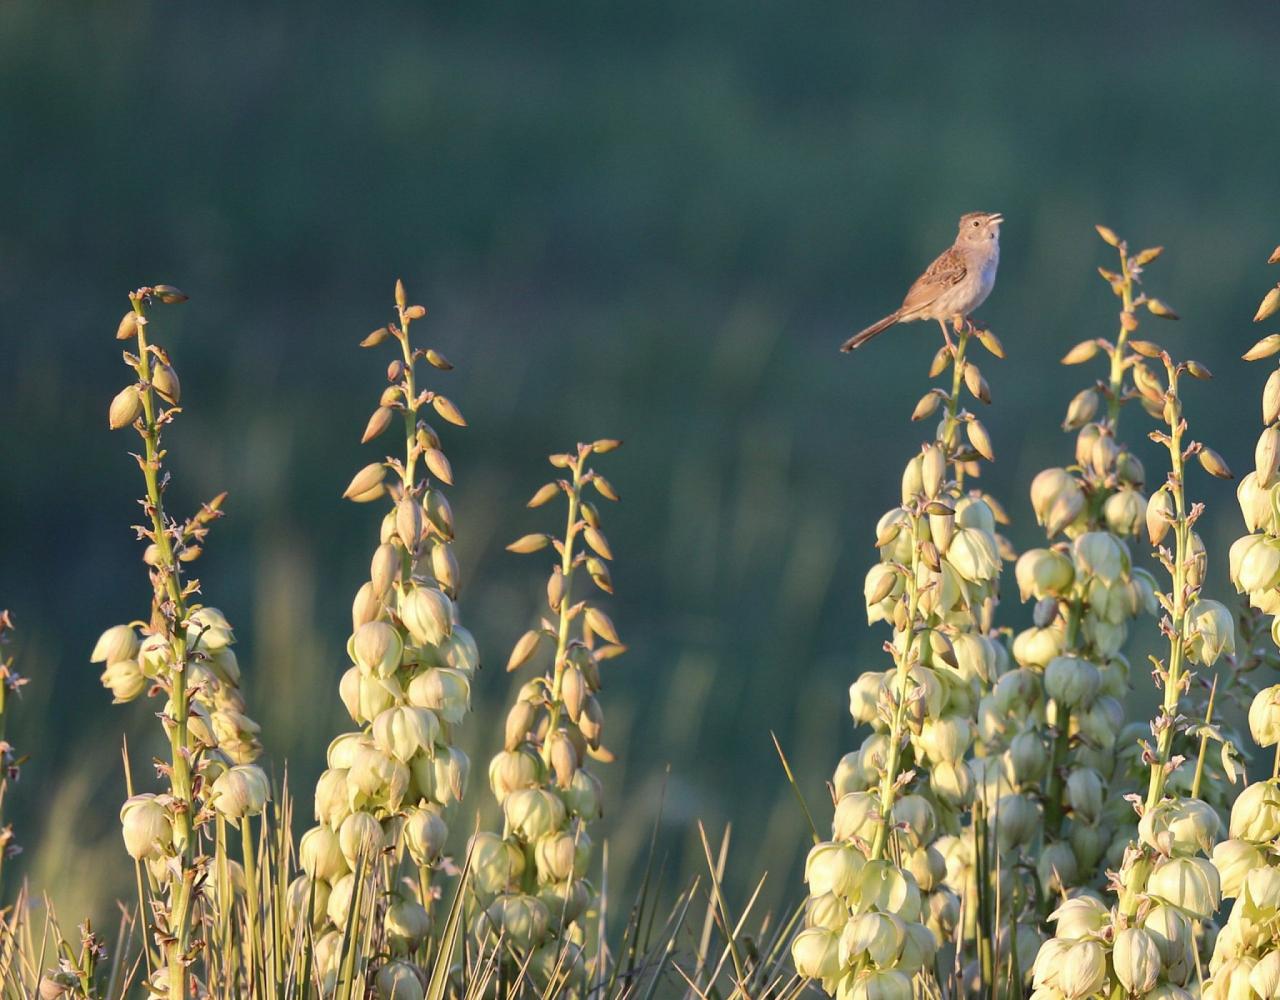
(947, 337)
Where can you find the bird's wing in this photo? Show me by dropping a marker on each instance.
(945, 272)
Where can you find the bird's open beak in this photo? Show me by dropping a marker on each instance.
(995, 217)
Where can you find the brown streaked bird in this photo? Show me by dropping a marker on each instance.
(954, 285)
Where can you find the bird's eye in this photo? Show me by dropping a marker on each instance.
(976, 223)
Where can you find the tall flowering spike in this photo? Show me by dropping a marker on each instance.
(530, 884)
(182, 653)
(1246, 951)
(1165, 882)
(890, 888)
(393, 785)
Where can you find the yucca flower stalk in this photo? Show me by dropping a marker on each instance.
(184, 654)
(1072, 679)
(1246, 951)
(1166, 886)
(392, 786)
(530, 884)
(880, 908)
(11, 685)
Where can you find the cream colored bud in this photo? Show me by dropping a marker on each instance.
(1100, 554)
(1084, 970)
(377, 648)
(1037, 647)
(427, 614)
(1016, 820)
(1071, 681)
(1085, 793)
(1057, 499)
(459, 651)
(360, 838)
(933, 470)
(561, 856)
(1212, 632)
(520, 920)
(973, 555)
(864, 696)
(877, 937)
(1180, 826)
(409, 522)
(406, 925)
(952, 782)
(1188, 884)
(1124, 511)
(1079, 918)
(425, 832)
(402, 731)
(883, 584)
(241, 791)
(384, 569)
(446, 774)
(398, 981)
(1082, 408)
(834, 868)
(1160, 515)
(1255, 815)
(815, 953)
(1234, 859)
(856, 817)
(446, 692)
(975, 657)
(320, 855)
(333, 797)
(125, 408)
(1028, 758)
(1044, 573)
(1264, 716)
(366, 607)
(495, 864)
(583, 797)
(147, 829)
(365, 697)
(1266, 455)
(913, 479)
(1057, 867)
(1136, 960)
(533, 812)
(124, 680)
(1264, 978)
(1255, 563)
(566, 902)
(946, 739)
(378, 776)
(120, 642)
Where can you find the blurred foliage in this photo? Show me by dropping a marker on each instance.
(655, 222)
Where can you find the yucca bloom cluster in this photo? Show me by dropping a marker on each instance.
(184, 653)
(530, 884)
(392, 785)
(886, 891)
(1146, 942)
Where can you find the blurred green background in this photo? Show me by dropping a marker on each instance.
(651, 221)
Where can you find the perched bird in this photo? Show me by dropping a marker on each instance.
(954, 285)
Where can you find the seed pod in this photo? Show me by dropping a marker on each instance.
(384, 569)
(573, 690)
(599, 544)
(168, 294)
(524, 648)
(1160, 515)
(365, 481)
(378, 422)
(927, 405)
(448, 411)
(563, 758)
(933, 470)
(439, 514)
(1108, 236)
(1267, 456)
(976, 384)
(444, 567)
(1271, 398)
(1161, 309)
(1270, 303)
(1264, 348)
(980, 440)
(1082, 409)
(409, 522)
(165, 382)
(128, 328)
(1081, 353)
(555, 589)
(599, 623)
(438, 465)
(125, 408)
(591, 722)
(1214, 465)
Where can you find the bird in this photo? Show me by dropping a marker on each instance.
(954, 285)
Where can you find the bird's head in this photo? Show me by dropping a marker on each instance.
(977, 228)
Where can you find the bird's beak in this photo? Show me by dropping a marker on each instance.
(995, 217)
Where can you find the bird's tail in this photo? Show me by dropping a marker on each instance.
(858, 339)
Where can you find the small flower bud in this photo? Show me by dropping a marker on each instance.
(1044, 573)
(1188, 884)
(1084, 969)
(1057, 499)
(360, 838)
(1079, 918)
(1212, 632)
(1255, 815)
(1136, 960)
(407, 925)
(124, 680)
(398, 981)
(1071, 681)
(520, 920)
(533, 812)
(125, 408)
(427, 614)
(120, 642)
(145, 823)
(815, 952)
(241, 791)
(376, 648)
(834, 868)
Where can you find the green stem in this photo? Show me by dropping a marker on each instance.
(951, 427)
(251, 902)
(566, 571)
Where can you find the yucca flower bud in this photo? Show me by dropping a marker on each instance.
(360, 837)
(1057, 867)
(1160, 515)
(366, 607)
(1079, 918)
(401, 732)
(1028, 758)
(124, 680)
(1100, 554)
(815, 952)
(1071, 681)
(1085, 792)
(209, 630)
(427, 614)
(1180, 826)
(155, 655)
(1125, 511)
(558, 858)
(1036, 647)
(1016, 821)
(1264, 978)
(398, 981)
(320, 855)
(864, 696)
(584, 795)
(834, 868)
(533, 812)
(1084, 970)
(406, 924)
(1043, 573)
(1057, 499)
(241, 791)
(1212, 630)
(521, 920)
(445, 691)
(856, 817)
(1234, 859)
(1189, 884)
(147, 829)
(377, 648)
(975, 656)
(973, 555)
(115, 645)
(1136, 960)
(512, 769)
(1255, 563)
(126, 407)
(875, 936)
(875, 985)
(946, 740)
(1264, 716)
(1262, 893)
